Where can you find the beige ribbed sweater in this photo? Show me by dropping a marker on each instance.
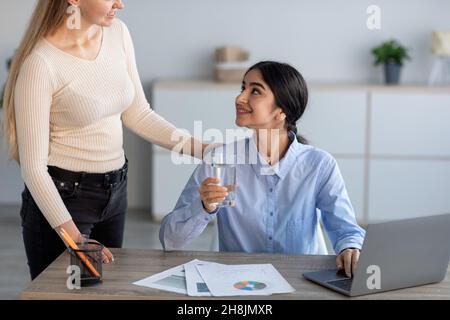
(69, 114)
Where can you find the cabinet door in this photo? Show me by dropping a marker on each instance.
(202, 112)
(169, 180)
(401, 189)
(335, 121)
(411, 124)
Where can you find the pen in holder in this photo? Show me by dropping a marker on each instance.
(87, 255)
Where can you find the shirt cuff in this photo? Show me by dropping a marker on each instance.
(347, 245)
(199, 212)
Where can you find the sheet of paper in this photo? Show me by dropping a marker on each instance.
(196, 287)
(173, 280)
(243, 280)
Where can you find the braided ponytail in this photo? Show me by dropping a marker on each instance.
(293, 127)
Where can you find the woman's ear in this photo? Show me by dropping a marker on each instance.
(74, 3)
(281, 116)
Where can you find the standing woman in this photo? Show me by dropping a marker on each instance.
(68, 93)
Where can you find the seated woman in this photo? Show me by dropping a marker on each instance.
(275, 209)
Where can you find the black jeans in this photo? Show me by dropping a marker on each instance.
(97, 209)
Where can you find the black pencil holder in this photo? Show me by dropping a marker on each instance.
(88, 257)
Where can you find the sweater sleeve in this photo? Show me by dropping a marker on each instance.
(32, 103)
(139, 117)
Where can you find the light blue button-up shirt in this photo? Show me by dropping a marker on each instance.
(276, 206)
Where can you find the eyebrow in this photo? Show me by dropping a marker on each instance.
(254, 84)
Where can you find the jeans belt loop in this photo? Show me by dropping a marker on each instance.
(106, 180)
(80, 178)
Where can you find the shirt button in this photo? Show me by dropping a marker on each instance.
(270, 238)
(271, 214)
(271, 189)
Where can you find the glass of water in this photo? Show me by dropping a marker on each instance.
(223, 167)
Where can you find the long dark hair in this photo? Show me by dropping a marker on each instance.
(289, 89)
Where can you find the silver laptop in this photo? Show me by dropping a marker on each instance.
(396, 254)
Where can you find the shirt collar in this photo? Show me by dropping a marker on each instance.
(281, 168)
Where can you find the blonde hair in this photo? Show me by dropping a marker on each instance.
(48, 15)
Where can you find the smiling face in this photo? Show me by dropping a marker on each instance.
(256, 106)
(99, 12)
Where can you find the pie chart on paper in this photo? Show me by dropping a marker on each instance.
(250, 285)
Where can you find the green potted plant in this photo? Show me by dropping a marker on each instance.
(8, 65)
(392, 54)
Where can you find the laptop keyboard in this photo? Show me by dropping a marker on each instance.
(344, 284)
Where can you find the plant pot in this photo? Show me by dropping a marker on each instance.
(392, 72)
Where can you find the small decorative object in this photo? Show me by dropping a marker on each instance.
(440, 46)
(8, 65)
(231, 64)
(392, 54)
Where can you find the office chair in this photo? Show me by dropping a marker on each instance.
(323, 242)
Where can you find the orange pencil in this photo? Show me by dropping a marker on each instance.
(82, 256)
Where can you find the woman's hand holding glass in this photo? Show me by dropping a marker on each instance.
(211, 194)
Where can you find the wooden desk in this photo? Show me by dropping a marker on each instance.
(132, 265)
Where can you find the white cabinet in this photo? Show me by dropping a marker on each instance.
(411, 124)
(408, 188)
(392, 144)
(335, 121)
(215, 108)
(169, 180)
(409, 172)
(201, 112)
